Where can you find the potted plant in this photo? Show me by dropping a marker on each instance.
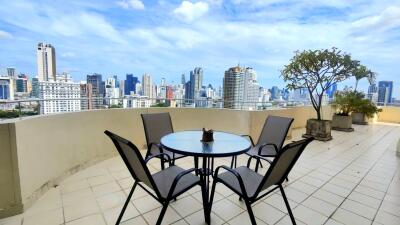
(363, 110)
(317, 71)
(344, 105)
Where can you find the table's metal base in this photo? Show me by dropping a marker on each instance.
(205, 172)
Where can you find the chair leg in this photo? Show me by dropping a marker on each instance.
(287, 205)
(126, 203)
(212, 194)
(162, 213)
(250, 211)
(258, 162)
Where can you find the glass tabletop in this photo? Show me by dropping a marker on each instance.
(189, 143)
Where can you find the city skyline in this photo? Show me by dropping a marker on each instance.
(166, 39)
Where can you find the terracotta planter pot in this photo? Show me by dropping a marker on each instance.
(342, 123)
(359, 118)
(319, 129)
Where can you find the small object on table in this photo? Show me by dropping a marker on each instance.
(208, 135)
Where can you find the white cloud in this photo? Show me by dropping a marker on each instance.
(4, 34)
(131, 4)
(189, 11)
(389, 18)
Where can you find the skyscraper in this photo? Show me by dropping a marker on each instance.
(251, 88)
(331, 91)
(183, 79)
(147, 85)
(6, 88)
(130, 84)
(97, 91)
(194, 85)
(35, 88)
(21, 83)
(46, 62)
(233, 87)
(385, 91)
(373, 93)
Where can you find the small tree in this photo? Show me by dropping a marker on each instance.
(362, 72)
(318, 70)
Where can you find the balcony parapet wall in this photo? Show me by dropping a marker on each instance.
(36, 153)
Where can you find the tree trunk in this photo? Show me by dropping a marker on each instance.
(355, 88)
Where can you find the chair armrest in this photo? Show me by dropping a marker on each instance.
(257, 157)
(176, 180)
(158, 155)
(251, 139)
(266, 144)
(236, 174)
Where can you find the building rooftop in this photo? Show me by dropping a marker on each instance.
(353, 179)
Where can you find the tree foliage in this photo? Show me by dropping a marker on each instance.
(317, 71)
(363, 72)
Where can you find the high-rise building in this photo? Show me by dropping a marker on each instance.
(169, 92)
(183, 79)
(275, 93)
(46, 62)
(35, 88)
(385, 91)
(233, 87)
(97, 89)
(112, 92)
(163, 82)
(196, 82)
(69, 93)
(373, 93)
(130, 84)
(147, 85)
(331, 91)
(6, 88)
(11, 72)
(21, 83)
(250, 88)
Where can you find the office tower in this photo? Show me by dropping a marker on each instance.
(86, 95)
(35, 88)
(46, 62)
(147, 85)
(97, 89)
(6, 88)
(11, 72)
(385, 91)
(187, 90)
(233, 87)
(372, 89)
(250, 89)
(130, 84)
(183, 79)
(331, 91)
(68, 91)
(196, 82)
(275, 93)
(21, 83)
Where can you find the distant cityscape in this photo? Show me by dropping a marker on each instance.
(240, 89)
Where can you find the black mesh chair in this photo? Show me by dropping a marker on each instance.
(157, 125)
(248, 184)
(167, 184)
(271, 139)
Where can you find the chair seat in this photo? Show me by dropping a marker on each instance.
(164, 179)
(154, 151)
(267, 151)
(251, 180)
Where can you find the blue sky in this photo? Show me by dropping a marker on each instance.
(168, 38)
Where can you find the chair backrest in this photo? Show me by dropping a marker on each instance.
(132, 158)
(275, 130)
(156, 125)
(283, 163)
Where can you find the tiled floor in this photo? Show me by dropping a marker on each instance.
(353, 179)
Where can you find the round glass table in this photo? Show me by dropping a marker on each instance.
(189, 143)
